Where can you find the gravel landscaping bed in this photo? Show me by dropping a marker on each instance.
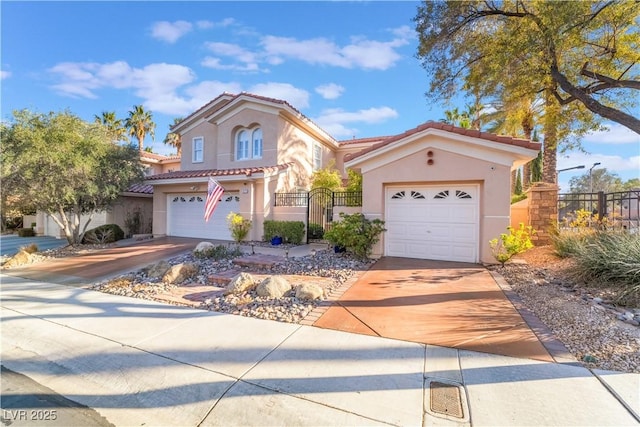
(325, 269)
(597, 332)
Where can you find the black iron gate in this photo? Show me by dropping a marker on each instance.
(319, 212)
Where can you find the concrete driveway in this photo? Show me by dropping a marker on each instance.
(90, 267)
(448, 304)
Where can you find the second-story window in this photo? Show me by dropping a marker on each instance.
(317, 157)
(198, 150)
(257, 144)
(248, 144)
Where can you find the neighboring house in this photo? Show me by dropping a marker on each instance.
(137, 201)
(442, 191)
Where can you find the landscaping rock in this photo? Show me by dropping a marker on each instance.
(179, 273)
(309, 291)
(158, 270)
(203, 246)
(273, 287)
(240, 283)
(22, 257)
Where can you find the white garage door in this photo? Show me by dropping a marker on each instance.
(432, 222)
(185, 216)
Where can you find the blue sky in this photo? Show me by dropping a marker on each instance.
(349, 66)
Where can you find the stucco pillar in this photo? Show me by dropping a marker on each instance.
(543, 210)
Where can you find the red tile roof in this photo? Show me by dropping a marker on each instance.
(254, 96)
(140, 189)
(362, 140)
(217, 172)
(155, 156)
(509, 140)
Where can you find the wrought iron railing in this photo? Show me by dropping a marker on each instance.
(618, 209)
(339, 198)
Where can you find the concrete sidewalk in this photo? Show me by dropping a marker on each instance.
(141, 362)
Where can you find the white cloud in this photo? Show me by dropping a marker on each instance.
(299, 98)
(616, 134)
(360, 53)
(236, 52)
(333, 120)
(330, 90)
(404, 32)
(5, 74)
(170, 32)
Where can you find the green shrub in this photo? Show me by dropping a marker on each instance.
(613, 259)
(512, 243)
(290, 231)
(26, 232)
(238, 226)
(316, 231)
(518, 197)
(218, 252)
(107, 233)
(355, 233)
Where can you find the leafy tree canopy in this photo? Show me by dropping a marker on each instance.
(584, 52)
(328, 177)
(603, 180)
(65, 166)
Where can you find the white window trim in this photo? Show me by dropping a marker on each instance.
(194, 151)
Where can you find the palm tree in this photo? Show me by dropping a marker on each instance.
(173, 139)
(114, 126)
(139, 124)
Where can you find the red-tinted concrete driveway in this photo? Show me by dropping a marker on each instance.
(443, 303)
(94, 266)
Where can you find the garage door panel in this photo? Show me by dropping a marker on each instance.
(185, 216)
(432, 222)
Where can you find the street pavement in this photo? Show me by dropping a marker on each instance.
(139, 362)
(10, 244)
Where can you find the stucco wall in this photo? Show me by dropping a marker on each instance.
(210, 134)
(447, 167)
(125, 208)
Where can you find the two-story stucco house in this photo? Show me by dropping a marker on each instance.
(442, 191)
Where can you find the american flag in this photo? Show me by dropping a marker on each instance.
(214, 192)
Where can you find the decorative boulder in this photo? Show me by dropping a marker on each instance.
(273, 287)
(203, 246)
(156, 271)
(22, 257)
(179, 273)
(309, 291)
(241, 283)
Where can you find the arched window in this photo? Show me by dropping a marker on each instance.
(248, 144)
(242, 145)
(257, 144)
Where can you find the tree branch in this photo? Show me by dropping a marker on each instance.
(593, 105)
(630, 84)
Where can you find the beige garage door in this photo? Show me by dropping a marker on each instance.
(432, 222)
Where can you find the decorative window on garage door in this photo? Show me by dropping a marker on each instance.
(459, 194)
(416, 195)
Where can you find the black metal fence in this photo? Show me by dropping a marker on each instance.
(339, 198)
(619, 209)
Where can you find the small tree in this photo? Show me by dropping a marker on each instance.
(238, 226)
(328, 177)
(515, 242)
(518, 189)
(68, 168)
